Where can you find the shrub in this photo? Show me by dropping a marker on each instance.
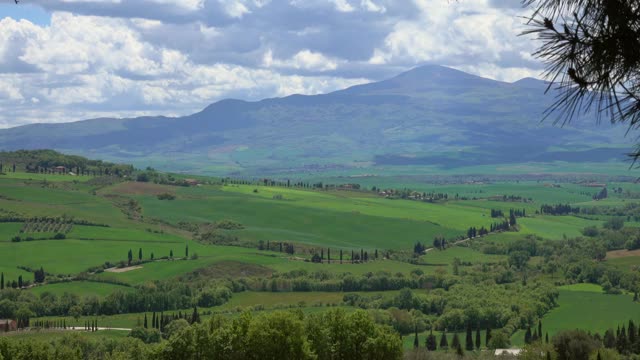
(59, 236)
(166, 196)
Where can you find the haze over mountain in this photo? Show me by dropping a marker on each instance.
(431, 115)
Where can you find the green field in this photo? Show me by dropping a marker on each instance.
(79, 288)
(584, 306)
(131, 217)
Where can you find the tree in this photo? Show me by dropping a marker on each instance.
(539, 328)
(468, 341)
(130, 256)
(573, 344)
(455, 342)
(140, 254)
(1, 281)
(590, 51)
(170, 254)
(499, 340)
(416, 341)
(340, 256)
(186, 251)
(431, 343)
(195, 317)
(444, 343)
(527, 336)
(487, 336)
(478, 338)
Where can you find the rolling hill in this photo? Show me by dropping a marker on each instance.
(429, 116)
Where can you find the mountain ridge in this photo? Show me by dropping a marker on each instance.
(436, 114)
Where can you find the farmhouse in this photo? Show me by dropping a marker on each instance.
(60, 169)
(191, 182)
(8, 325)
(514, 352)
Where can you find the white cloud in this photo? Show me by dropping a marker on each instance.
(130, 58)
(342, 5)
(304, 59)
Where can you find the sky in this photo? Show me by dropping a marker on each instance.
(68, 60)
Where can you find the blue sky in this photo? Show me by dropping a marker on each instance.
(66, 60)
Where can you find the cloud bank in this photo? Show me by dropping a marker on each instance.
(99, 58)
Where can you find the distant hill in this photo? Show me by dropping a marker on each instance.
(428, 116)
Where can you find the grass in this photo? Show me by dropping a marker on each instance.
(555, 227)
(9, 230)
(465, 254)
(583, 307)
(79, 288)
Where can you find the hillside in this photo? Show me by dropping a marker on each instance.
(429, 116)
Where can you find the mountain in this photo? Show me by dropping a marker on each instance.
(429, 116)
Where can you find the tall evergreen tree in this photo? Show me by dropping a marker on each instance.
(146, 325)
(340, 256)
(527, 336)
(186, 251)
(416, 341)
(455, 342)
(478, 338)
(468, 341)
(328, 255)
(444, 343)
(431, 343)
(540, 329)
(1, 281)
(459, 350)
(195, 317)
(140, 254)
(487, 336)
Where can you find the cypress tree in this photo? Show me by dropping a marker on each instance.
(548, 355)
(599, 357)
(146, 325)
(340, 256)
(153, 320)
(455, 342)
(527, 336)
(459, 351)
(195, 317)
(186, 251)
(487, 336)
(328, 255)
(416, 342)
(478, 338)
(2, 281)
(431, 343)
(540, 329)
(140, 254)
(468, 341)
(444, 343)
(546, 338)
(631, 330)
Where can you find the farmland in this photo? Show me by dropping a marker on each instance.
(237, 246)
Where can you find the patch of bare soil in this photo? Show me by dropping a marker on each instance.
(622, 254)
(124, 269)
(141, 188)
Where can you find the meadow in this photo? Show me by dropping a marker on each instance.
(585, 306)
(131, 216)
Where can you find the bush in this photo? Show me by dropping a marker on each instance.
(614, 223)
(148, 336)
(166, 196)
(59, 236)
